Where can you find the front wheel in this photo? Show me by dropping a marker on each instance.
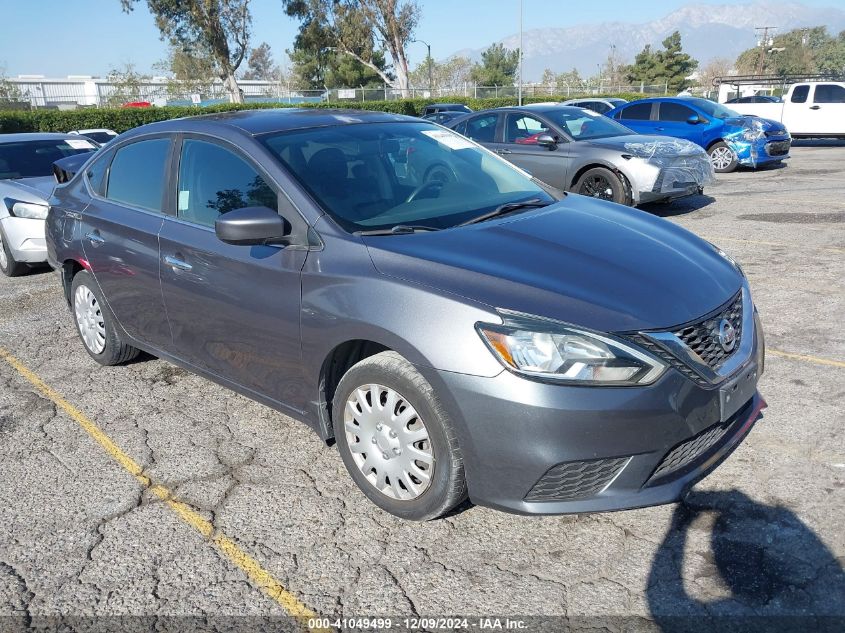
(95, 323)
(8, 265)
(723, 158)
(600, 182)
(395, 439)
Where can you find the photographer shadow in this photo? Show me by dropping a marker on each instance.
(778, 574)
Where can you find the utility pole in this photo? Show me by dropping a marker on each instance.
(520, 52)
(430, 78)
(764, 40)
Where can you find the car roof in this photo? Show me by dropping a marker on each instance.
(263, 121)
(35, 136)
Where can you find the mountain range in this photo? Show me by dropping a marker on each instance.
(707, 32)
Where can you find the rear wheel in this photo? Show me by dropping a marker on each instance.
(395, 439)
(95, 323)
(8, 265)
(723, 158)
(603, 184)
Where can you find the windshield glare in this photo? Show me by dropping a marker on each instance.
(584, 125)
(716, 110)
(34, 159)
(374, 176)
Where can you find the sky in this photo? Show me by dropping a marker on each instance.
(57, 38)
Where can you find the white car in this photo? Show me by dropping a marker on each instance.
(99, 135)
(596, 105)
(808, 109)
(26, 183)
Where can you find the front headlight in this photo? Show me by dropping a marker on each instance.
(31, 210)
(728, 258)
(551, 350)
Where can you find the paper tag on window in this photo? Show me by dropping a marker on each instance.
(80, 143)
(449, 139)
(184, 197)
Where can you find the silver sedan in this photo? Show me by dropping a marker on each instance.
(574, 149)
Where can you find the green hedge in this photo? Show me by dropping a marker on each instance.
(122, 119)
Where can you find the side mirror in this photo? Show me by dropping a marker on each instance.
(252, 226)
(694, 119)
(547, 140)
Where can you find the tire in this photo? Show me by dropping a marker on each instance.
(95, 324)
(719, 154)
(601, 183)
(415, 413)
(8, 265)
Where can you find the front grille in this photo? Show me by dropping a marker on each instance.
(777, 148)
(576, 480)
(689, 451)
(776, 132)
(703, 337)
(669, 358)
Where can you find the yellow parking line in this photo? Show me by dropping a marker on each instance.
(716, 240)
(251, 567)
(807, 358)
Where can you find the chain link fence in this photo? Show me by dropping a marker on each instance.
(71, 94)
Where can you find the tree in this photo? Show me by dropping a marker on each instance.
(126, 84)
(670, 65)
(188, 71)
(260, 64)
(800, 51)
(567, 82)
(497, 68)
(452, 73)
(221, 27)
(716, 67)
(354, 27)
(9, 91)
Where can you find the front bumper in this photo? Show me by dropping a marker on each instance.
(764, 150)
(539, 448)
(25, 238)
(669, 177)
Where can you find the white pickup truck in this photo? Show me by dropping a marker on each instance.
(809, 109)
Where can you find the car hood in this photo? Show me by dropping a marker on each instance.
(582, 261)
(751, 122)
(34, 189)
(623, 143)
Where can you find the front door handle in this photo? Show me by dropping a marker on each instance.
(176, 263)
(659, 129)
(502, 152)
(815, 107)
(95, 238)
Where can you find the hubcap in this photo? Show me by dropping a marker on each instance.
(597, 187)
(389, 442)
(721, 157)
(89, 318)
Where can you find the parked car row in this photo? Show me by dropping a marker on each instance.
(455, 325)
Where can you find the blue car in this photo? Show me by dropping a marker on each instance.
(731, 139)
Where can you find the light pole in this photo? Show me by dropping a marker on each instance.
(430, 80)
(520, 52)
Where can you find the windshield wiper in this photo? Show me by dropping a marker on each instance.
(399, 229)
(508, 207)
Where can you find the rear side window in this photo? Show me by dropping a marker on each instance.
(637, 112)
(483, 128)
(829, 93)
(213, 180)
(670, 111)
(597, 106)
(799, 94)
(136, 175)
(96, 175)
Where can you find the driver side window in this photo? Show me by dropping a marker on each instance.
(213, 180)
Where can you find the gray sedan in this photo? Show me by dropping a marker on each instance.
(578, 150)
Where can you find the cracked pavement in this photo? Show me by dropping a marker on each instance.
(761, 535)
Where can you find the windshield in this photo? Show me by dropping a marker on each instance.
(34, 159)
(379, 175)
(716, 110)
(583, 125)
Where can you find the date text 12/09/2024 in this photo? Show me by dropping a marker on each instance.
(418, 624)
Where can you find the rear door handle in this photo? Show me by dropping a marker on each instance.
(815, 107)
(176, 263)
(95, 238)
